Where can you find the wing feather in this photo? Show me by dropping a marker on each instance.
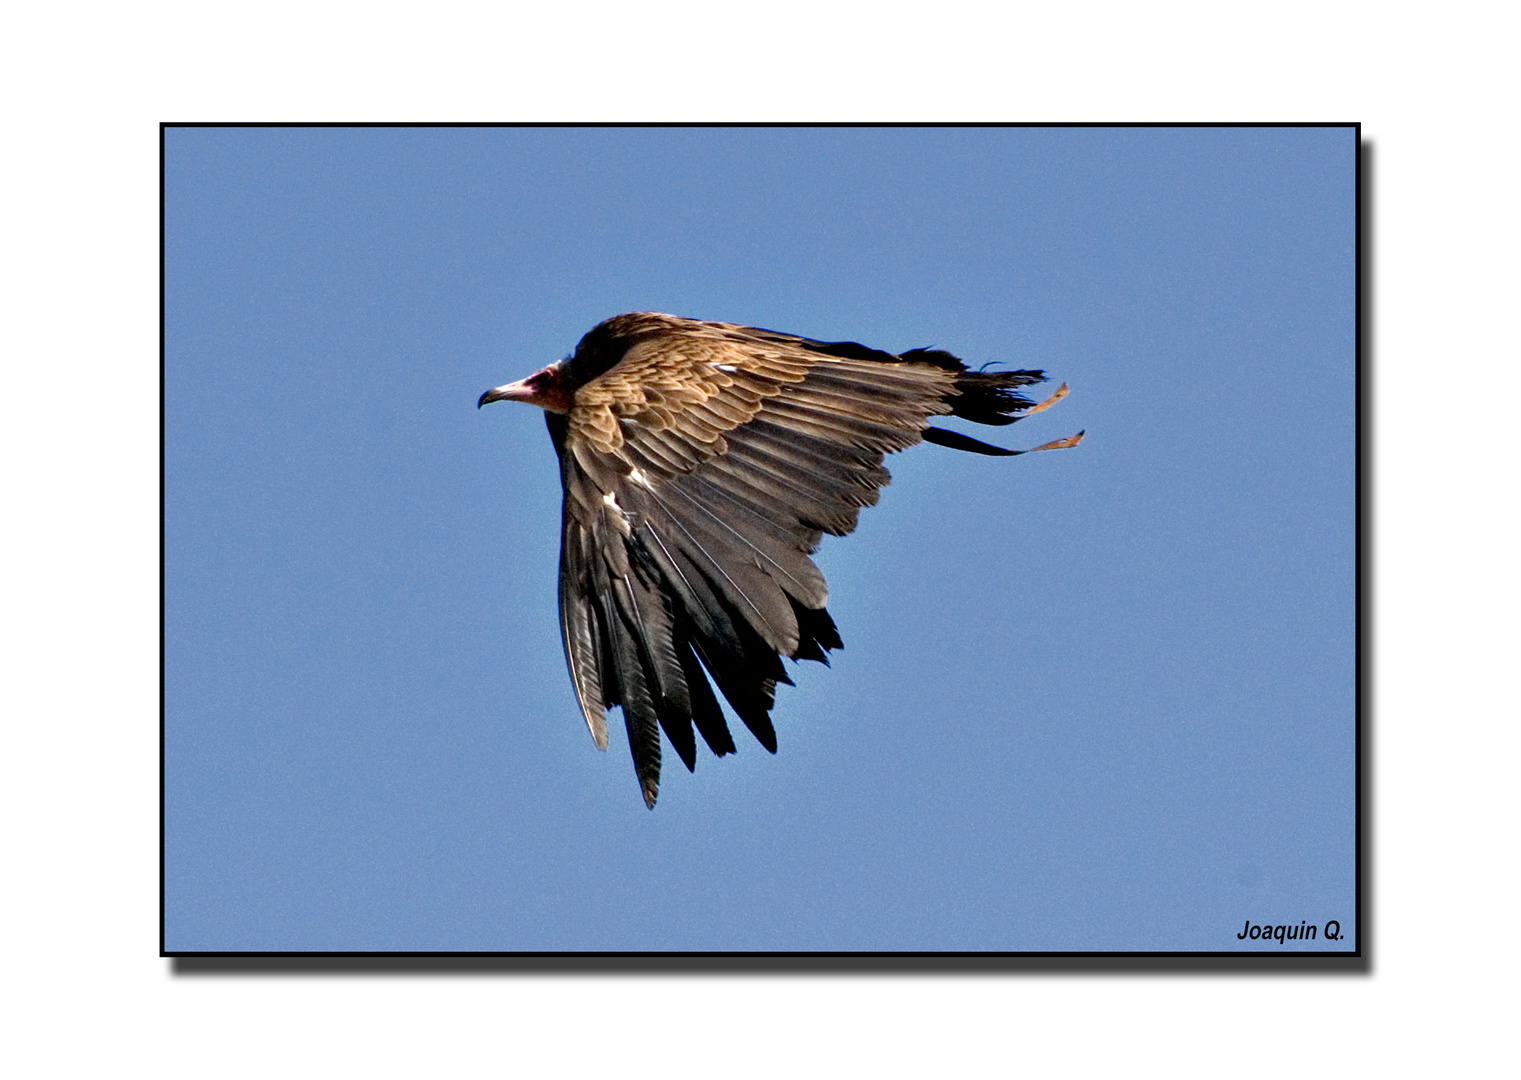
(762, 489)
(579, 630)
(732, 563)
(828, 505)
(803, 452)
(838, 428)
(706, 713)
(664, 675)
(783, 555)
(700, 602)
(639, 715)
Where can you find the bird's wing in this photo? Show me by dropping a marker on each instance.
(700, 474)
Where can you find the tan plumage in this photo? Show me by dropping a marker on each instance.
(702, 463)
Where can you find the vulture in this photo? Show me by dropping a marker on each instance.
(702, 463)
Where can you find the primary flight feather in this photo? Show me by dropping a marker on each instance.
(702, 463)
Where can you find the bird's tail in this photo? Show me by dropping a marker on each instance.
(989, 397)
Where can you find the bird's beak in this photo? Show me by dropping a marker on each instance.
(546, 389)
(513, 391)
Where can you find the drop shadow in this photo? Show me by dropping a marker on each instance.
(1367, 218)
(748, 964)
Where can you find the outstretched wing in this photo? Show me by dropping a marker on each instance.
(701, 472)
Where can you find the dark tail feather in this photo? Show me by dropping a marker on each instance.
(989, 397)
(957, 441)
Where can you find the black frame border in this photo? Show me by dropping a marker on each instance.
(1354, 961)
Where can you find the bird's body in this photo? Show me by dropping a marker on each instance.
(702, 463)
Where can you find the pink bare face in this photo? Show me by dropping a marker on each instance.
(546, 389)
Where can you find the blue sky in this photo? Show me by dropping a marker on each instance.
(1097, 699)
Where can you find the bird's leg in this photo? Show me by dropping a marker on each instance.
(1061, 392)
(1059, 444)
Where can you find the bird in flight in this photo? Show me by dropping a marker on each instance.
(702, 462)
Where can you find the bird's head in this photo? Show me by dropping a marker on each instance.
(548, 389)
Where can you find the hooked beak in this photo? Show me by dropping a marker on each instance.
(513, 391)
(546, 389)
